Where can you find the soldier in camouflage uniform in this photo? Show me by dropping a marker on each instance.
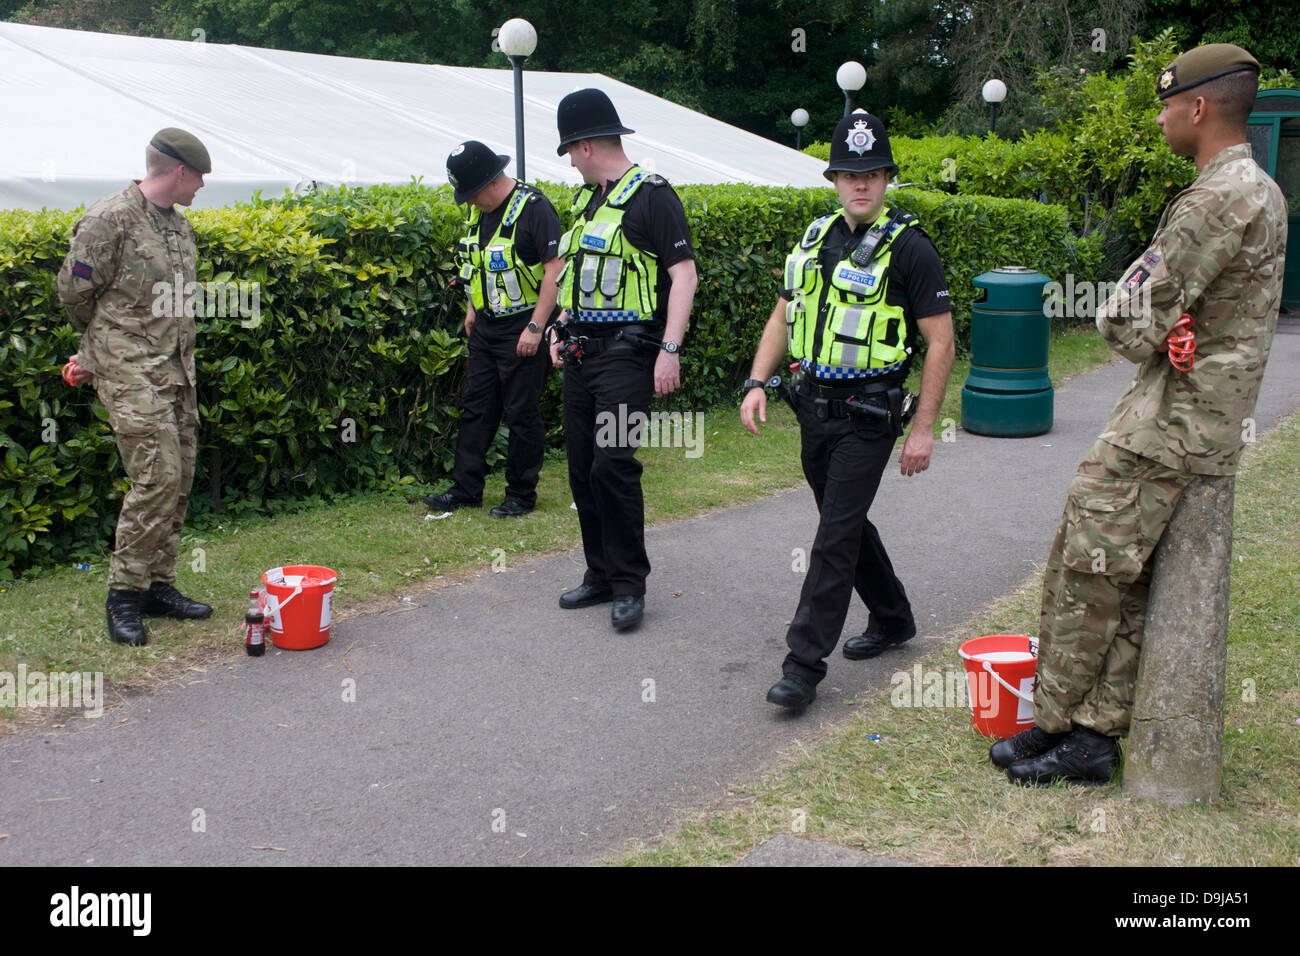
(124, 283)
(1217, 256)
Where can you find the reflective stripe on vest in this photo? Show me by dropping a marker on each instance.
(493, 274)
(605, 278)
(853, 327)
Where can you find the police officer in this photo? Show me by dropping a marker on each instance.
(508, 269)
(857, 288)
(137, 346)
(1217, 257)
(627, 287)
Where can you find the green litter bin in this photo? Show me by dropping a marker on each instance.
(1008, 393)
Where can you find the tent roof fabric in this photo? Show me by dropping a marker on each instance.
(77, 110)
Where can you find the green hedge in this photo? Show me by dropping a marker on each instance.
(360, 337)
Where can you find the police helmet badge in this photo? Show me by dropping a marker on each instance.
(860, 138)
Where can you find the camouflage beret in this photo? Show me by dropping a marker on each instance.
(183, 146)
(1202, 64)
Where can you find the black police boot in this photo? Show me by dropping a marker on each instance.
(1083, 755)
(1024, 745)
(163, 600)
(449, 502)
(627, 611)
(124, 624)
(874, 641)
(511, 508)
(585, 595)
(793, 692)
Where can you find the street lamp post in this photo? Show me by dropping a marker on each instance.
(518, 40)
(994, 92)
(799, 118)
(851, 76)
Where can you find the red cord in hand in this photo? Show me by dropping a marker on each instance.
(1182, 344)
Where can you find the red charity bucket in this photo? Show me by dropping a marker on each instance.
(298, 598)
(1000, 677)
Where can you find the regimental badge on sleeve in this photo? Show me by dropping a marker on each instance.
(1135, 280)
(81, 270)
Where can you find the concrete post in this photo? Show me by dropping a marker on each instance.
(1175, 752)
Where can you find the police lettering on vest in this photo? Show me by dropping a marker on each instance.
(853, 327)
(493, 274)
(605, 277)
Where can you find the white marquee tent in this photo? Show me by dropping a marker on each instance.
(76, 110)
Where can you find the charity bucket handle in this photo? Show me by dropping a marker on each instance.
(279, 605)
(988, 666)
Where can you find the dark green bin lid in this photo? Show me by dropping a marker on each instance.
(1010, 289)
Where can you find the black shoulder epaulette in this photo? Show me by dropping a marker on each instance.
(654, 179)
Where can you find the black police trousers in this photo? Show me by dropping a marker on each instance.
(843, 460)
(604, 475)
(498, 382)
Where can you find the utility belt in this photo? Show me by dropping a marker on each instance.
(524, 313)
(575, 346)
(876, 401)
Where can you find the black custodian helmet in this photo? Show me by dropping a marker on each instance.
(471, 166)
(859, 145)
(586, 114)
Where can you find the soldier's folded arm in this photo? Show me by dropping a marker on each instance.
(1184, 258)
(89, 268)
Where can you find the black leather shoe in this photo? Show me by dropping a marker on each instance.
(511, 508)
(874, 641)
(793, 692)
(1083, 755)
(627, 611)
(449, 502)
(1023, 746)
(163, 600)
(585, 595)
(124, 624)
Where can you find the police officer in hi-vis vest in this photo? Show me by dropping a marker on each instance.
(627, 287)
(508, 269)
(857, 288)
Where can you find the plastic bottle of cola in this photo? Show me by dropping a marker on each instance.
(254, 628)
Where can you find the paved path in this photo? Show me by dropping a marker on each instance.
(485, 704)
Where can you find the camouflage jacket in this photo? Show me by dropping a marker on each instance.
(123, 283)
(1218, 255)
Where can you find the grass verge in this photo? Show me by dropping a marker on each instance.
(925, 791)
(382, 546)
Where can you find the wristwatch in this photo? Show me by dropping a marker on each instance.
(532, 326)
(752, 383)
(670, 347)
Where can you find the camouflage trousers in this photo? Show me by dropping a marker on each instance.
(156, 428)
(1095, 589)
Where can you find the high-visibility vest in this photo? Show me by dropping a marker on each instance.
(846, 322)
(605, 278)
(493, 274)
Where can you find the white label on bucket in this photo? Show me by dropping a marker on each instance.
(292, 580)
(273, 613)
(325, 611)
(1003, 657)
(1025, 708)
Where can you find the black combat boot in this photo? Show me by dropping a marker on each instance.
(163, 600)
(124, 624)
(1083, 755)
(1024, 745)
